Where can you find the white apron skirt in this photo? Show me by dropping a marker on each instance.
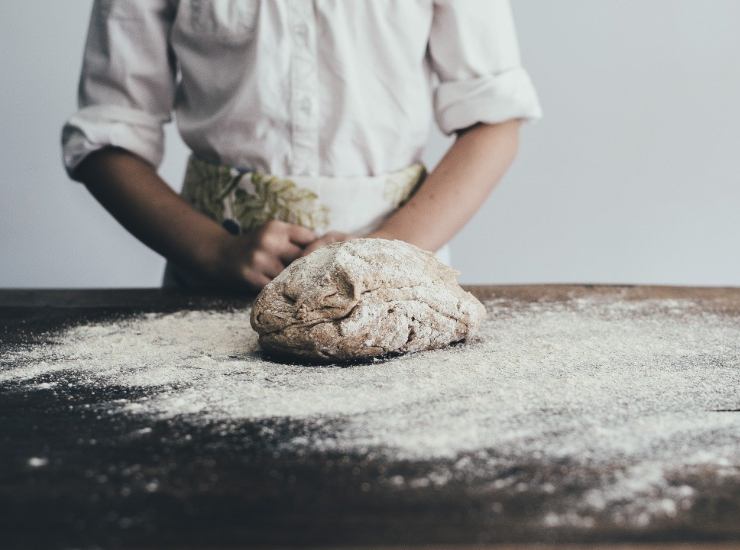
(243, 200)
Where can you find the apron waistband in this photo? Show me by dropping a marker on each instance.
(243, 200)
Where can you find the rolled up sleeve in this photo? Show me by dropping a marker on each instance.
(475, 53)
(127, 84)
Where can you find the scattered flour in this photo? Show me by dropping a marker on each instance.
(628, 388)
(38, 462)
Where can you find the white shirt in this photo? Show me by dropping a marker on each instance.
(295, 87)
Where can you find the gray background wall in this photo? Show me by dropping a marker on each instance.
(633, 175)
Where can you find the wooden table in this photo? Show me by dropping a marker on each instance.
(215, 492)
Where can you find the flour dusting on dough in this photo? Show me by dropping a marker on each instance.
(362, 299)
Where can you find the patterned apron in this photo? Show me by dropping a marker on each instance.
(243, 200)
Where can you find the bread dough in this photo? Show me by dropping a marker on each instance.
(364, 298)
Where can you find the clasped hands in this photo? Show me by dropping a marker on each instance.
(256, 257)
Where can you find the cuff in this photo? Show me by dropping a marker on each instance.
(94, 128)
(488, 99)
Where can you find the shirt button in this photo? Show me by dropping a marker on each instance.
(306, 105)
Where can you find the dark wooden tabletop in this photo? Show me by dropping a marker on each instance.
(217, 491)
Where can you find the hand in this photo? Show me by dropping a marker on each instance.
(252, 260)
(381, 234)
(336, 236)
(328, 238)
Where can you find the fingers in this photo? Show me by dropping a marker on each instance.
(312, 247)
(276, 230)
(335, 237)
(283, 240)
(289, 253)
(300, 235)
(266, 263)
(276, 244)
(329, 238)
(256, 280)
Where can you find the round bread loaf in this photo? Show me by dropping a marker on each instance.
(361, 299)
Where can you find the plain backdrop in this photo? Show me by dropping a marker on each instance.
(633, 176)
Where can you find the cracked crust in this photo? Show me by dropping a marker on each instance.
(362, 299)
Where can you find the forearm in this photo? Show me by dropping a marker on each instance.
(457, 187)
(130, 189)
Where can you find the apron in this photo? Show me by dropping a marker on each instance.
(243, 200)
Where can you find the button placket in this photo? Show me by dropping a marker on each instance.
(304, 89)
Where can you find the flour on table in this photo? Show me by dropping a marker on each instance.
(626, 389)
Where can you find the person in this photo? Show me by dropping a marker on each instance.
(306, 120)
